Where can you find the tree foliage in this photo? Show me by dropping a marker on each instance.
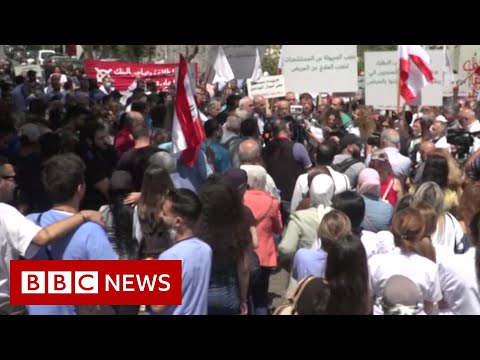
(134, 53)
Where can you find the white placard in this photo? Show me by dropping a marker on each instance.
(24, 68)
(320, 68)
(381, 80)
(269, 87)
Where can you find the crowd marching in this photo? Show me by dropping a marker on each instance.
(369, 211)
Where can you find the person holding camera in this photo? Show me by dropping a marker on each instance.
(471, 124)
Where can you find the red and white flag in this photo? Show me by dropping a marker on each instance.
(187, 130)
(415, 71)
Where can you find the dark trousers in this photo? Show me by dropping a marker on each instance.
(260, 292)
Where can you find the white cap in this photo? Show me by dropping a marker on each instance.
(441, 118)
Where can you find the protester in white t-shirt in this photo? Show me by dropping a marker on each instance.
(408, 259)
(323, 157)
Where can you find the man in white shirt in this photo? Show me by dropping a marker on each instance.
(472, 125)
(401, 165)
(260, 111)
(438, 130)
(20, 237)
(323, 157)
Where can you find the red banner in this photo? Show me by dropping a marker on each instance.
(124, 73)
(95, 282)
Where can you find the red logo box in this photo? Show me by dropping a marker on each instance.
(95, 282)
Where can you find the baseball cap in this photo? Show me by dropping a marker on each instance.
(350, 139)
(441, 118)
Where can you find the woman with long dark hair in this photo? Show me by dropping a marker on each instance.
(347, 275)
(224, 225)
(151, 232)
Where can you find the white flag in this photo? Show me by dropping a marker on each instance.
(257, 69)
(223, 71)
(448, 77)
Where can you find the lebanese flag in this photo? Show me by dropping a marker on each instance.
(187, 130)
(415, 71)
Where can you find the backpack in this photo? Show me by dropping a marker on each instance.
(345, 164)
(290, 307)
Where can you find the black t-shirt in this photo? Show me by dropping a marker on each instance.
(97, 169)
(29, 183)
(135, 161)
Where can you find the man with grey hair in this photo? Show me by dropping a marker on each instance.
(164, 160)
(471, 124)
(401, 165)
(291, 98)
(250, 160)
(451, 117)
(246, 104)
(438, 130)
(260, 111)
(231, 129)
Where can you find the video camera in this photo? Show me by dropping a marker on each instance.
(374, 140)
(462, 140)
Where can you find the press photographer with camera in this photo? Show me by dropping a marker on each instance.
(466, 141)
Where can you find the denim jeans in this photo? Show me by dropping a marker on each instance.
(224, 299)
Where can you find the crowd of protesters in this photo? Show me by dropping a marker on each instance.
(383, 206)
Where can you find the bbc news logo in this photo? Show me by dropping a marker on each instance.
(95, 282)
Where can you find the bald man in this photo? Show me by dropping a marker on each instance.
(291, 98)
(471, 124)
(283, 109)
(250, 158)
(246, 104)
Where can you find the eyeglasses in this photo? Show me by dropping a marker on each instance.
(8, 177)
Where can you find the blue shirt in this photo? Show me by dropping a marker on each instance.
(309, 262)
(88, 242)
(222, 157)
(200, 171)
(378, 214)
(196, 256)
